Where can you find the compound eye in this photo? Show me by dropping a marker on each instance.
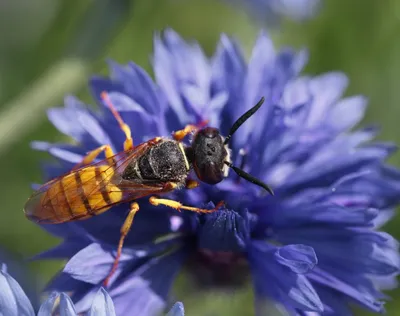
(209, 173)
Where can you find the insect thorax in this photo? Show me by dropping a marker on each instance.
(163, 162)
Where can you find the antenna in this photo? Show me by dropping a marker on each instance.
(243, 119)
(241, 173)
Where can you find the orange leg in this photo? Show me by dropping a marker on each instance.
(191, 184)
(178, 206)
(92, 155)
(124, 231)
(128, 143)
(181, 134)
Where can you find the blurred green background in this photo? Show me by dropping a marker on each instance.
(50, 47)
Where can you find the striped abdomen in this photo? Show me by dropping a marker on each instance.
(78, 195)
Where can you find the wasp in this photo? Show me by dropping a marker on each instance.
(155, 167)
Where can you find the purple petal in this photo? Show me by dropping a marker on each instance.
(326, 89)
(177, 310)
(133, 81)
(298, 258)
(67, 249)
(135, 297)
(145, 290)
(66, 306)
(364, 297)
(47, 307)
(190, 62)
(93, 263)
(102, 305)
(347, 113)
(333, 162)
(228, 67)
(330, 214)
(224, 230)
(256, 84)
(334, 302)
(374, 253)
(296, 92)
(64, 152)
(143, 124)
(93, 128)
(165, 77)
(13, 300)
(283, 286)
(65, 119)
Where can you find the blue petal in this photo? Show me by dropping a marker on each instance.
(224, 230)
(13, 300)
(347, 113)
(323, 213)
(82, 293)
(68, 153)
(135, 297)
(334, 302)
(284, 285)
(136, 83)
(379, 187)
(191, 64)
(334, 162)
(228, 73)
(357, 289)
(77, 116)
(63, 282)
(65, 119)
(271, 11)
(144, 291)
(161, 281)
(228, 66)
(93, 128)
(164, 72)
(67, 308)
(69, 231)
(47, 307)
(374, 253)
(177, 310)
(102, 305)
(326, 90)
(93, 263)
(286, 66)
(296, 92)
(67, 249)
(144, 125)
(298, 258)
(256, 85)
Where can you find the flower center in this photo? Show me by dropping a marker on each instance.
(222, 269)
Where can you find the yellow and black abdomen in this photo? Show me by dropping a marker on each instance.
(78, 195)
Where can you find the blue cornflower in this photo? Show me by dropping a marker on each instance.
(314, 246)
(14, 302)
(272, 10)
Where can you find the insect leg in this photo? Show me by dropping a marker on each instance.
(124, 231)
(191, 184)
(178, 206)
(128, 143)
(92, 155)
(181, 134)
